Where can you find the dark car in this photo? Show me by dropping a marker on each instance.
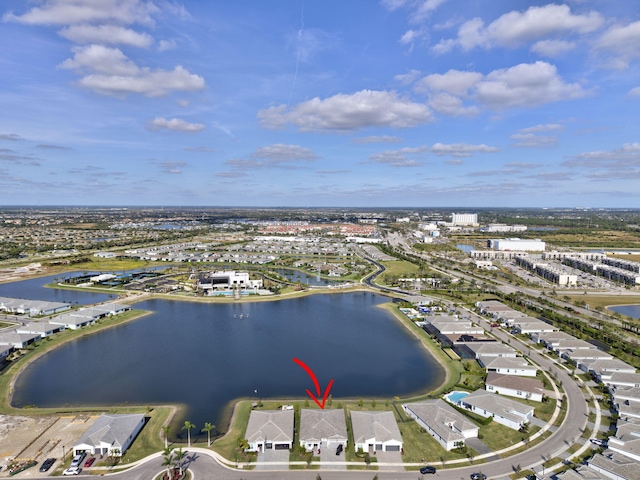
(428, 469)
(339, 449)
(89, 461)
(478, 476)
(46, 465)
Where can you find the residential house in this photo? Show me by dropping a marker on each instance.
(110, 435)
(376, 431)
(514, 386)
(449, 427)
(510, 413)
(508, 366)
(270, 430)
(322, 428)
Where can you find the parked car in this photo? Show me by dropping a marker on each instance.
(72, 471)
(89, 461)
(77, 460)
(428, 469)
(46, 465)
(339, 449)
(478, 476)
(600, 443)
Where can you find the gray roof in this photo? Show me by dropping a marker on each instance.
(380, 426)
(491, 348)
(113, 430)
(622, 377)
(514, 382)
(582, 472)
(443, 419)
(506, 362)
(17, 339)
(617, 464)
(270, 425)
(316, 425)
(497, 405)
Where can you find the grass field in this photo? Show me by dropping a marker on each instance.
(595, 301)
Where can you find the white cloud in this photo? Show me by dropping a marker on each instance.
(531, 140)
(461, 149)
(547, 127)
(399, 158)
(456, 82)
(113, 73)
(407, 78)
(450, 105)
(620, 44)
(175, 124)
(73, 12)
(173, 168)
(527, 84)
(634, 92)
(366, 108)
(625, 157)
(516, 28)
(420, 9)
(165, 45)
(377, 139)
(111, 34)
(279, 153)
(552, 48)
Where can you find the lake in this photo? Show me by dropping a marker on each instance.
(631, 310)
(33, 289)
(302, 277)
(204, 356)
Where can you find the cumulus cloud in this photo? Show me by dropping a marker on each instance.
(72, 12)
(634, 92)
(280, 152)
(620, 44)
(111, 72)
(407, 78)
(110, 34)
(461, 149)
(175, 124)
(527, 84)
(399, 158)
(625, 157)
(552, 48)
(528, 137)
(514, 29)
(524, 85)
(377, 139)
(344, 112)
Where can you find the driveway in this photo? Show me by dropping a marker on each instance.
(388, 457)
(272, 456)
(330, 459)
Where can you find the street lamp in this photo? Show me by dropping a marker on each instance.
(63, 454)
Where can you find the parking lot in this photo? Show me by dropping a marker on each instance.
(39, 438)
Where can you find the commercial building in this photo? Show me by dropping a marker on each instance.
(517, 244)
(464, 219)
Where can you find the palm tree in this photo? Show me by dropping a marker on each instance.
(207, 428)
(179, 456)
(188, 426)
(165, 429)
(167, 460)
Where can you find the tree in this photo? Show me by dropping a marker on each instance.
(167, 460)
(188, 426)
(165, 429)
(207, 428)
(180, 454)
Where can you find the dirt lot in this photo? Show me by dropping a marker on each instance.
(39, 438)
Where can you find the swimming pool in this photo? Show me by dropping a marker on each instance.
(455, 397)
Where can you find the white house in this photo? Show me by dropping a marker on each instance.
(603, 369)
(510, 413)
(442, 422)
(626, 440)
(376, 431)
(270, 430)
(44, 329)
(322, 429)
(227, 280)
(623, 380)
(614, 466)
(508, 366)
(110, 435)
(490, 349)
(18, 340)
(514, 386)
(529, 325)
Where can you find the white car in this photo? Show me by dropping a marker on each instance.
(597, 441)
(72, 471)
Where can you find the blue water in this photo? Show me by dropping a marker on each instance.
(204, 356)
(34, 289)
(302, 277)
(456, 396)
(631, 310)
(465, 248)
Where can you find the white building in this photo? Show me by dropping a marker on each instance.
(270, 430)
(514, 386)
(517, 244)
(110, 435)
(464, 219)
(510, 413)
(227, 280)
(376, 431)
(322, 429)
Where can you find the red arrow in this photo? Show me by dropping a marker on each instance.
(317, 385)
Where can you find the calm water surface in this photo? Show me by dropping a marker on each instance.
(298, 276)
(631, 310)
(34, 289)
(204, 356)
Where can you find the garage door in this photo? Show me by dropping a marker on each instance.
(393, 448)
(282, 446)
(378, 447)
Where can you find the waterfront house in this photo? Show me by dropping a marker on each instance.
(510, 413)
(270, 430)
(376, 431)
(515, 386)
(110, 435)
(449, 427)
(322, 429)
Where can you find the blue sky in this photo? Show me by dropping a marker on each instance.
(362, 103)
